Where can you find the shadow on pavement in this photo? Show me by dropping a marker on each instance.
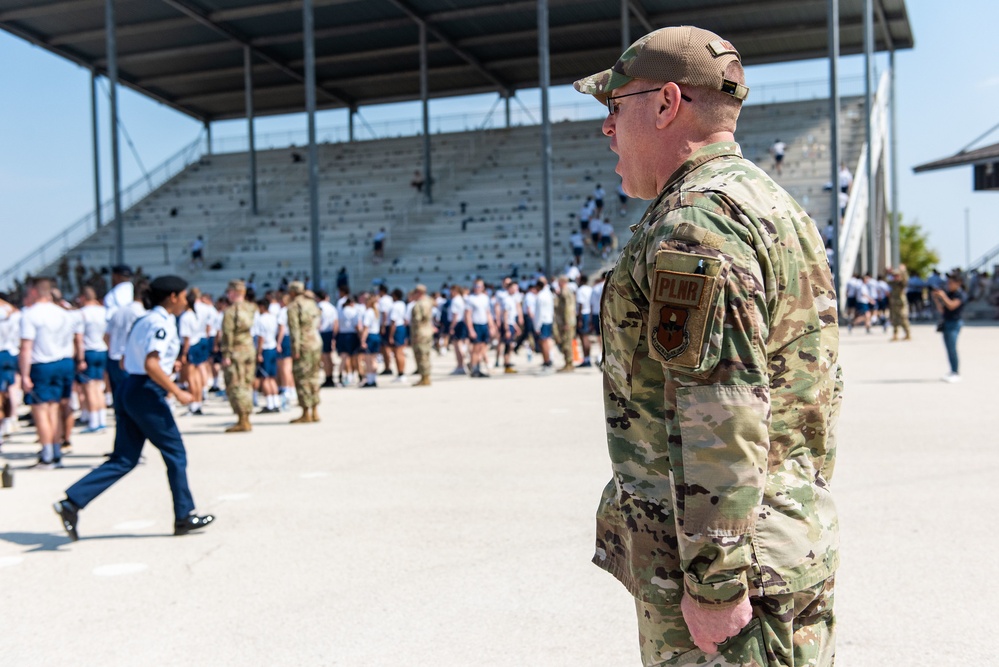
(52, 541)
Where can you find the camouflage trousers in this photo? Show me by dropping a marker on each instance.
(565, 346)
(421, 350)
(900, 317)
(791, 630)
(305, 370)
(239, 382)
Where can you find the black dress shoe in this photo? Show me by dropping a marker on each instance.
(68, 512)
(193, 522)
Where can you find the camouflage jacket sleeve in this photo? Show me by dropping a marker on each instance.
(707, 326)
(295, 327)
(227, 332)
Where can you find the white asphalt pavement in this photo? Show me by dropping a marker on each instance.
(453, 526)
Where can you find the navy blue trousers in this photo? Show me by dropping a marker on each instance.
(143, 414)
(117, 377)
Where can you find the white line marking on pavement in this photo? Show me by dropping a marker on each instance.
(9, 561)
(137, 524)
(119, 569)
(235, 496)
(314, 475)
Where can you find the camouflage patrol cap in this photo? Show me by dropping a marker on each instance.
(681, 54)
(237, 286)
(296, 287)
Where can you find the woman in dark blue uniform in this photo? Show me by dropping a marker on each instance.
(150, 361)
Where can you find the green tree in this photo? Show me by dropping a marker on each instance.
(915, 251)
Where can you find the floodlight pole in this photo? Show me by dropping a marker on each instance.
(248, 85)
(96, 148)
(873, 238)
(112, 49)
(310, 107)
(351, 110)
(544, 79)
(625, 26)
(424, 102)
(834, 136)
(896, 218)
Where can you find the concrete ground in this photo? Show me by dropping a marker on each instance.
(453, 526)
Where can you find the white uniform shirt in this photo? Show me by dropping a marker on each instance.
(384, 307)
(584, 294)
(93, 324)
(596, 224)
(350, 318)
(457, 309)
(327, 316)
(282, 319)
(119, 326)
(370, 321)
(265, 326)
(531, 304)
(274, 308)
(546, 308)
(190, 327)
(607, 230)
(409, 312)
(479, 305)
(397, 313)
(51, 328)
(120, 296)
(576, 239)
(10, 331)
(156, 331)
(508, 306)
(598, 291)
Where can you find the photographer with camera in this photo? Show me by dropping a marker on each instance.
(950, 302)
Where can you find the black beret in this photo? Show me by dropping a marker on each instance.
(168, 285)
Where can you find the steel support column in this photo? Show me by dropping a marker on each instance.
(96, 149)
(896, 210)
(506, 105)
(248, 85)
(625, 26)
(428, 179)
(112, 53)
(208, 136)
(310, 108)
(351, 111)
(834, 145)
(544, 79)
(873, 237)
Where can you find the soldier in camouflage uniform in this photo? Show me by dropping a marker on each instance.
(421, 333)
(721, 380)
(898, 303)
(239, 357)
(306, 350)
(564, 330)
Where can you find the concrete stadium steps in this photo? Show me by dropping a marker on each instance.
(365, 186)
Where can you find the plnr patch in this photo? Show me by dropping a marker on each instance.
(681, 303)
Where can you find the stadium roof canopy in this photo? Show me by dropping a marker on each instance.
(984, 155)
(188, 54)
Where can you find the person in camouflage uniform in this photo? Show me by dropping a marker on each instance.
(306, 350)
(898, 303)
(564, 330)
(421, 333)
(239, 357)
(721, 380)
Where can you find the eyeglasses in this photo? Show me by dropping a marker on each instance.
(611, 107)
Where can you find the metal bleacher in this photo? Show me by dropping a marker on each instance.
(486, 218)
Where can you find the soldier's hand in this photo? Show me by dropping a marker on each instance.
(183, 397)
(710, 627)
(226, 361)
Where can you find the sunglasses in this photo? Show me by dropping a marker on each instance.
(611, 107)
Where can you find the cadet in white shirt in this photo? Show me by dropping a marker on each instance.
(10, 346)
(93, 326)
(481, 327)
(598, 292)
(459, 328)
(150, 360)
(117, 335)
(48, 347)
(398, 333)
(584, 310)
(385, 302)
(122, 291)
(191, 334)
(348, 342)
(265, 331)
(544, 321)
(329, 325)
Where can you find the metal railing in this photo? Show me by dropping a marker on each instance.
(82, 229)
(855, 219)
(983, 260)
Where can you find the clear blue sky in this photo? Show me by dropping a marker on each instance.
(948, 93)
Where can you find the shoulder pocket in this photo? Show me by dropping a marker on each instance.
(687, 309)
